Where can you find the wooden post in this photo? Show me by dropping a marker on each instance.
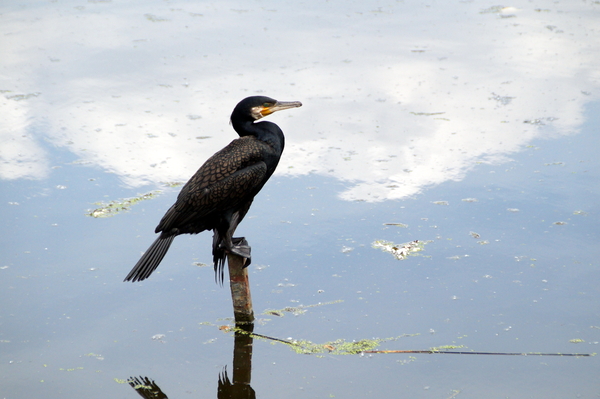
(240, 289)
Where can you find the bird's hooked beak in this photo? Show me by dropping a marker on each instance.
(269, 108)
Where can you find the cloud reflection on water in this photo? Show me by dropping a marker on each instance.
(396, 98)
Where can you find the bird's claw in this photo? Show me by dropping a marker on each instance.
(239, 241)
(241, 248)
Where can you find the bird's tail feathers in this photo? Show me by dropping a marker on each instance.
(238, 246)
(219, 256)
(150, 260)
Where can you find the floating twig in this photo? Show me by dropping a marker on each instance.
(433, 351)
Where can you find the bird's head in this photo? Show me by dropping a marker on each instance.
(257, 107)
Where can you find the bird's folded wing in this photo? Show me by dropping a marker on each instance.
(198, 204)
(237, 155)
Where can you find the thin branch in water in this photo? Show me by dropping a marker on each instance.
(432, 351)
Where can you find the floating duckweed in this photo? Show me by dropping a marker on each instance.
(113, 207)
(339, 346)
(297, 310)
(20, 97)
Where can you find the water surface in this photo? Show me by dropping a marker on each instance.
(467, 126)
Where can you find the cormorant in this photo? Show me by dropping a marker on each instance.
(219, 195)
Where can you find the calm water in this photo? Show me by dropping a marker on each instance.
(469, 127)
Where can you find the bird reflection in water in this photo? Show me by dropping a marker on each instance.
(219, 195)
(147, 388)
(237, 388)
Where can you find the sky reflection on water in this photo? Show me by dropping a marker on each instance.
(399, 96)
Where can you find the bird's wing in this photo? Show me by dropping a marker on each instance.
(191, 213)
(226, 179)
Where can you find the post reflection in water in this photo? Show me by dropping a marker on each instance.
(242, 366)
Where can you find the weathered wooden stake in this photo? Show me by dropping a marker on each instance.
(240, 289)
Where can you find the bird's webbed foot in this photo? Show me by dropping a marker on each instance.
(241, 248)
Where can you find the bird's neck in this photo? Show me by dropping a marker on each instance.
(265, 131)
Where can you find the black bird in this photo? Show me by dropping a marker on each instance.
(219, 195)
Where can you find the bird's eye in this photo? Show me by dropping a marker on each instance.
(267, 105)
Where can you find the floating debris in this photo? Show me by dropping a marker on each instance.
(492, 10)
(474, 235)
(427, 113)
(297, 310)
(396, 224)
(560, 223)
(274, 313)
(94, 355)
(171, 184)
(154, 18)
(540, 121)
(346, 249)
(469, 200)
(401, 251)
(504, 100)
(20, 97)
(337, 347)
(113, 207)
(436, 351)
(440, 202)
